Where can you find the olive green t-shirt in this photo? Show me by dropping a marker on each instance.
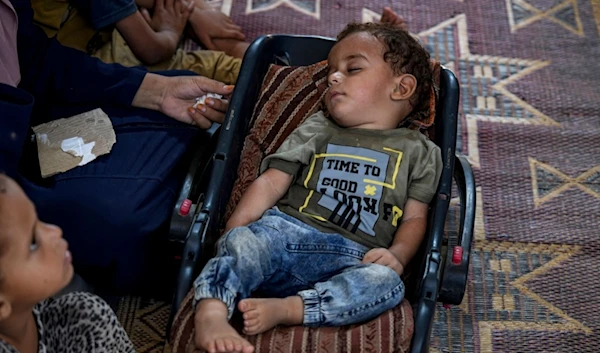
(355, 182)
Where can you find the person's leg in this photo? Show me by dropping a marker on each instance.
(212, 64)
(355, 295)
(246, 257)
(113, 211)
(332, 286)
(358, 294)
(233, 47)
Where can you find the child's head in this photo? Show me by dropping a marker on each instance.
(378, 75)
(34, 259)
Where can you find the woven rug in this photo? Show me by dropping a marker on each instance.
(530, 126)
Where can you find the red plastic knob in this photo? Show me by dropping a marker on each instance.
(184, 209)
(457, 255)
(447, 306)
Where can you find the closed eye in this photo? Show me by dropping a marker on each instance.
(354, 69)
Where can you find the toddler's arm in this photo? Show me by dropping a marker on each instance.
(407, 240)
(154, 38)
(262, 194)
(411, 232)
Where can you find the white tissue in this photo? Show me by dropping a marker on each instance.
(78, 148)
(200, 100)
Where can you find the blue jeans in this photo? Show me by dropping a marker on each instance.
(280, 256)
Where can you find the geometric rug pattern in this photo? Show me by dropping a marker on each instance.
(530, 127)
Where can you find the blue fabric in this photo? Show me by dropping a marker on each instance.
(105, 13)
(280, 256)
(15, 111)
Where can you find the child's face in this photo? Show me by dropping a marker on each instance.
(35, 261)
(361, 84)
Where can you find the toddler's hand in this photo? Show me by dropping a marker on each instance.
(208, 25)
(169, 16)
(383, 256)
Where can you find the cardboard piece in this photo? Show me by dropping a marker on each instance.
(67, 143)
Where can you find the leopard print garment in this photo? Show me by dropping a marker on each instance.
(77, 322)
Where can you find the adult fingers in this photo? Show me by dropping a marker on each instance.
(219, 105)
(198, 118)
(206, 115)
(206, 85)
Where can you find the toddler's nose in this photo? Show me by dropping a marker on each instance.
(334, 78)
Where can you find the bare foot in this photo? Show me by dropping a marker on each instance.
(391, 17)
(213, 332)
(261, 315)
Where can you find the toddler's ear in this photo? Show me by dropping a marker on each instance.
(406, 84)
(5, 307)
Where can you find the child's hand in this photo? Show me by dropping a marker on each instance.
(383, 256)
(208, 25)
(169, 16)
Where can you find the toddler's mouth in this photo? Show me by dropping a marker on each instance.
(333, 94)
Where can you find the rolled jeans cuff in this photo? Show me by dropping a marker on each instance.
(312, 307)
(210, 292)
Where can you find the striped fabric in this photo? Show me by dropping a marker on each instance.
(288, 96)
(390, 332)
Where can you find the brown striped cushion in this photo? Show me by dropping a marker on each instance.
(390, 332)
(288, 96)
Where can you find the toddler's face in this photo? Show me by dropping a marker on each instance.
(35, 261)
(360, 84)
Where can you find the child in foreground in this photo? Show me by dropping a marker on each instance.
(326, 230)
(35, 264)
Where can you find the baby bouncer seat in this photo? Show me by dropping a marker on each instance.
(281, 83)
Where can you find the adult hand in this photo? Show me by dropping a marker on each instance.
(208, 25)
(383, 256)
(181, 93)
(175, 97)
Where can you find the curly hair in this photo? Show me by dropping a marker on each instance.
(404, 54)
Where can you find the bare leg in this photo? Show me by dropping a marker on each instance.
(213, 332)
(232, 47)
(391, 17)
(261, 315)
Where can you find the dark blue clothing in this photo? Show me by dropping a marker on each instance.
(112, 210)
(104, 13)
